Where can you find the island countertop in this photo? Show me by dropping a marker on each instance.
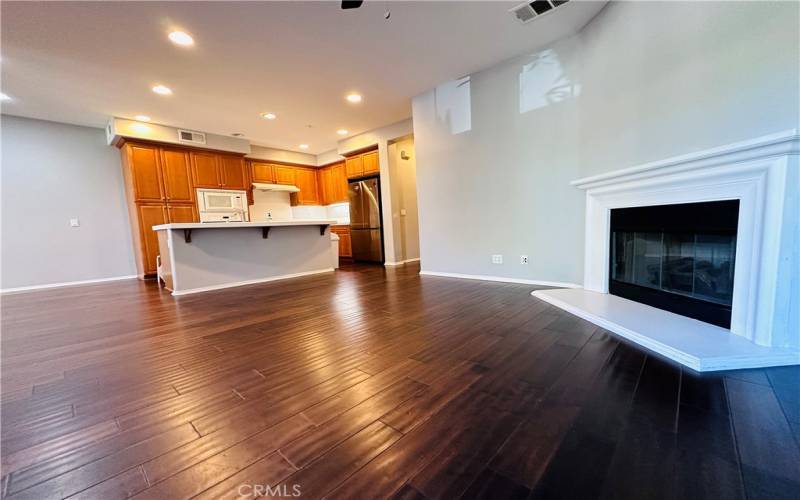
(230, 225)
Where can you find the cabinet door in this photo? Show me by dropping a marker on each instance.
(177, 175)
(306, 180)
(205, 170)
(145, 165)
(338, 183)
(345, 245)
(149, 216)
(285, 175)
(325, 186)
(262, 172)
(181, 213)
(232, 172)
(370, 163)
(354, 167)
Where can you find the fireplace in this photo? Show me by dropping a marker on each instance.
(680, 257)
(708, 242)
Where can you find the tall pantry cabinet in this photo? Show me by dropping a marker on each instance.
(160, 182)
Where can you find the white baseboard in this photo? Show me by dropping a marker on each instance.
(502, 279)
(33, 288)
(400, 262)
(250, 282)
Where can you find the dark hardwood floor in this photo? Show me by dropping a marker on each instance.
(370, 383)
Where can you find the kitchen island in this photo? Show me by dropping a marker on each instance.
(202, 256)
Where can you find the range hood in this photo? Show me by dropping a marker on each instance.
(261, 186)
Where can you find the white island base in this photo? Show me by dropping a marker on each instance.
(199, 257)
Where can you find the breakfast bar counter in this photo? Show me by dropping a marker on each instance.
(201, 256)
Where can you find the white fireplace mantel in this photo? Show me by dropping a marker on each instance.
(754, 172)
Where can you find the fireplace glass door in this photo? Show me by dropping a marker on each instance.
(680, 258)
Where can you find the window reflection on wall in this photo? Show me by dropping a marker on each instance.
(453, 105)
(543, 82)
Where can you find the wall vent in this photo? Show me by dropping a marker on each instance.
(193, 137)
(528, 11)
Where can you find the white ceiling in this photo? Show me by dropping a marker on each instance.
(84, 62)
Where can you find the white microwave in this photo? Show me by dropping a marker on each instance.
(217, 205)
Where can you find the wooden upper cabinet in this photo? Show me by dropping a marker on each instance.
(370, 163)
(232, 174)
(285, 175)
(177, 175)
(306, 181)
(205, 169)
(354, 166)
(338, 183)
(145, 166)
(324, 185)
(262, 172)
(149, 216)
(181, 213)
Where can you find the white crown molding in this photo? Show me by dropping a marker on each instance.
(502, 279)
(781, 143)
(33, 288)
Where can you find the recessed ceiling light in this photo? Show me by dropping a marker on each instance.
(303, 146)
(181, 38)
(353, 97)
(161, 89)
(341, 131)
(269, 116)
(142, 118)
(4, 97)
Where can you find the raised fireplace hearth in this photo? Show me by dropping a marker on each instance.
(680, 257)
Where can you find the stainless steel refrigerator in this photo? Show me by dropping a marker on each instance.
(365, 219)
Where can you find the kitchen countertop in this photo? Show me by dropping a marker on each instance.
(229, 225)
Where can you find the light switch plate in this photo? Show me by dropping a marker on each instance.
(74, 222)
(402, 211)
(497, 259)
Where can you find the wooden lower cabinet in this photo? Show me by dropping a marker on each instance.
(150, 215)
(345, 242)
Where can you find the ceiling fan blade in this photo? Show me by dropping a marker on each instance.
(351, 4)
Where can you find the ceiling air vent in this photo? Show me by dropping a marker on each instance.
(526, 12)
(193, 137)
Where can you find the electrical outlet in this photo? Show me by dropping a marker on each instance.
(74, 222)
(268, 215)
(523, 259)
(497, 259)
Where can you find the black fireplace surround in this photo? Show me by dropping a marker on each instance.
(679, 258)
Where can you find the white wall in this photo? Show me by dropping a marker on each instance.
(122, 127)
(643, 81)
(277, 203)
(403, 175)
(52, 172)
(272, 154)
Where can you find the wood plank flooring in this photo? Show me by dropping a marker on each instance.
(369, 383)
